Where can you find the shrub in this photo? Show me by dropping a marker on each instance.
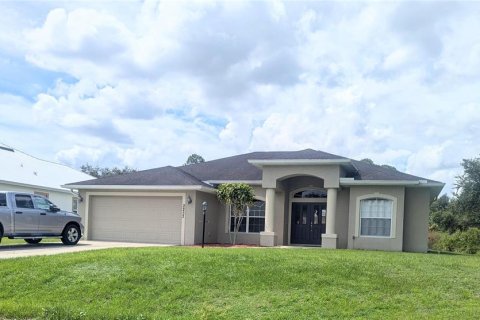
(433, 239)
(461, 241)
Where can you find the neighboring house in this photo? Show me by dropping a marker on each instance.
(24, 173)
(305, 197)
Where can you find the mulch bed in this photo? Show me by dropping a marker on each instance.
(226, 245)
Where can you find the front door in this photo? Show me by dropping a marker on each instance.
(308, 223)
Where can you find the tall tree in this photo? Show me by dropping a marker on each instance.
(237, 196)
(194, 158)
(468, 193)
(99, 172)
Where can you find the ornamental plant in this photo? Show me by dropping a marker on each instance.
(237, 197)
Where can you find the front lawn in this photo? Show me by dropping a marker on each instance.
(223, 283)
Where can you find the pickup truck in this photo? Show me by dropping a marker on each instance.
(32, 217)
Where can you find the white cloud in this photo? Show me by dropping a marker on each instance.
(156, 81)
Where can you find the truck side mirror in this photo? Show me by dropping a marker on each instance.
(54, 208)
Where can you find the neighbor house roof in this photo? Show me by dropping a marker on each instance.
(19, 168)
(240, 168)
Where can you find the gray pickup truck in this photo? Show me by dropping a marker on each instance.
(32, 217)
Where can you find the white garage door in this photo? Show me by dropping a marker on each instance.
(136, 219)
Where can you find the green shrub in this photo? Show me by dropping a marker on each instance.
(461, 241)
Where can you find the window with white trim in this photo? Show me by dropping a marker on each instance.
(376, 217)
(254, 219)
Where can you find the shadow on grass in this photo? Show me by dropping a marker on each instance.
(450, 253)
(39, 246)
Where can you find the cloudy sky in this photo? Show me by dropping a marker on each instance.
(147, 83)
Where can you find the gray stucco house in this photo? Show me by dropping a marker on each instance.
(305, 197)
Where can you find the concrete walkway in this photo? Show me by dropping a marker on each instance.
(43, 249)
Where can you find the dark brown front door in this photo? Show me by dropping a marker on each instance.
(308, 223)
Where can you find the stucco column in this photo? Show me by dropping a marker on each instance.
(331, 210)
(267, 238)
(329, 239)
(269, 210)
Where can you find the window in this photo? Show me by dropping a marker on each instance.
(24, 201)
(43, 194)
(75, 205)
(3, 200)
(311, 194)
(254, 219)
(41, 203)
(376, 217)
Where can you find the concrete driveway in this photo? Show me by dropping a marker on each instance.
(42, 249)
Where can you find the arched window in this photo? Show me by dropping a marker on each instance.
(311, 194)
(376, 217)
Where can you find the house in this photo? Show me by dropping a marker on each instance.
(305, 197)
(24, 173)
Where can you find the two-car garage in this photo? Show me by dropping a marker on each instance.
(149, 219)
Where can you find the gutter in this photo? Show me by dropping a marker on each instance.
(37, 186)
(413, 183)
(250, 182)
(140, 187)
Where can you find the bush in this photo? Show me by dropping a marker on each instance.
(461, 241)
(433, 239)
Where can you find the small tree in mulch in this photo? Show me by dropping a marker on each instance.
(238, 196)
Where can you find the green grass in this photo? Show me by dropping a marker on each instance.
(223, 283)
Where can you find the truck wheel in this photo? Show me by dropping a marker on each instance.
(71, 235)
(33, 241)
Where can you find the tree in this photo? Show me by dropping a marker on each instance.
(194, 158)
(367, 160)
(443, 215)
(98, 172)
(238, 196)
(467, 200)
(386, 166)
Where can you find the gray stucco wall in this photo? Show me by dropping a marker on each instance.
(212, 218)
(415, 232)
(376, 243)
(273, 174)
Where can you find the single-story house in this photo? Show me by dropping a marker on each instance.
(22, 172)
(305, 197)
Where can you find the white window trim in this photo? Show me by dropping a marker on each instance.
(229, 219)
(393, 220)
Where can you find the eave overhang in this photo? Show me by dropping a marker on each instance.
(141, 188)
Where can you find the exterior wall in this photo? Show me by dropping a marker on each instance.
(329, 173)
(342, 218)
(63, 200)
(376, 243)
(415, 231)
(212, 218)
